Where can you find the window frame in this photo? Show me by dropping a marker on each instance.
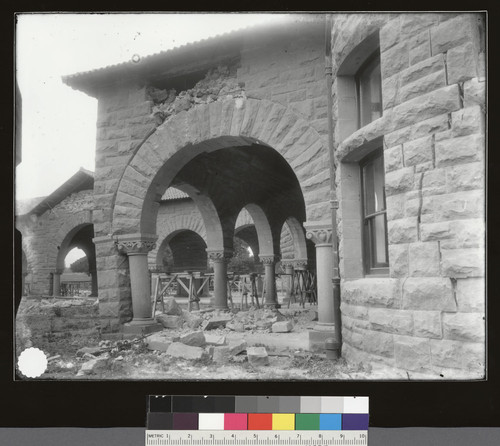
(366, 234)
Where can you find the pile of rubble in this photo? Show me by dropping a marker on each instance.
(210, 336)
(219, 83)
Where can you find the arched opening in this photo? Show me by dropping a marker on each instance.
(76, 249)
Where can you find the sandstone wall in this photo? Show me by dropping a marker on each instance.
(43, 235)
(428, 316)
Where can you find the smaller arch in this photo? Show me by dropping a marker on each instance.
(165, 244)
(298, 236)
(263, 228)
(211, 220)
(83, 233)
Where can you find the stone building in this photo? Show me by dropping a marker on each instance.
(249, 121)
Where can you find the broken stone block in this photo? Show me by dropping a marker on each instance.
(195, 339)
(93, 366)
(239, 359)
(94, 351)
(257, 356)
(180, 350)
(236, 326)
(194, 322)
(215, 339)
(172, 307)
(264, 325)
(170, 321)
(158, 341)
(311, 315)
(216, 322)
(222, 354)
(237, 347)
(282, 327)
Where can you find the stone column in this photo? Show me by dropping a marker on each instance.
(270, 280)
(56, 283)
(321, 235)
(137, 247)
(287, 265)
(220, 260)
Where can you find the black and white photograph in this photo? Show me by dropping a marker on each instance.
(251, 197)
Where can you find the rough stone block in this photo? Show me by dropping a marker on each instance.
(172, 308)
(378, 343)
(216, 322)
(282, 327)
(470, 294)
(94, 366)
(412, 354)
(236, 347)
(390, 33)
(458, 354)
(317, 339)
(354, 311)
(394, 59)
(462, 262)
(433, 182)
(437, 102)
(94, 351)
(221, 355)
(404, 230)
(159, 341)
(464, 327)
(398, 260)
(215, 339)
(395, 206)
(170, 321)
(424, 259)
(452, 33)
(468, 176)
(429, 293)
(195, 339)
(393, 158)
(418, 151)
(456, 206)
(422, 69)
(467, 121)
(385, 292)
(427, 324)
(257, 356)
(180, 350)
(459, 150)
(391, 321)
(422, 86)
(474, 93)
(417, 130)
(399, 181)
(461, 63)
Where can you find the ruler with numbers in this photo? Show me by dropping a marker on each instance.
(255, 438)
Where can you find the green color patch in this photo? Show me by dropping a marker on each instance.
(307, 421)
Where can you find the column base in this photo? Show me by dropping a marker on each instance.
(318, 337)
(141, 327)
(275, 305)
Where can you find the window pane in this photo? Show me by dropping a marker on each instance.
(378, 184)
(379, 242)
(370, 93)
(368, 181)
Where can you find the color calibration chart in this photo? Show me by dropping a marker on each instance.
(257, 420)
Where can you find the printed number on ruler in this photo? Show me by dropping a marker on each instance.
(252, 438)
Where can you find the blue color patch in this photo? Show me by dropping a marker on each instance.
(330, 422)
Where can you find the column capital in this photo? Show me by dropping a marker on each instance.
(222, 255)
(133, 244)
(58, 271)
(319, 233)
(287, 263)
(300, 263)
(268, 259)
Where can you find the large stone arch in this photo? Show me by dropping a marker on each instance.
(206, 128)
(263, 228)
(298, 238)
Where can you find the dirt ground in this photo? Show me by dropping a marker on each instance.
(61, 328)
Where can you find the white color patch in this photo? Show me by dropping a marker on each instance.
(32, 362)
(211, 421)
(356, 404)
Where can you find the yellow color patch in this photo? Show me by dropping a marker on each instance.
(283, 421)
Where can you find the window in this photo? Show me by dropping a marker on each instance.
(369, 90)
(376, 256)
